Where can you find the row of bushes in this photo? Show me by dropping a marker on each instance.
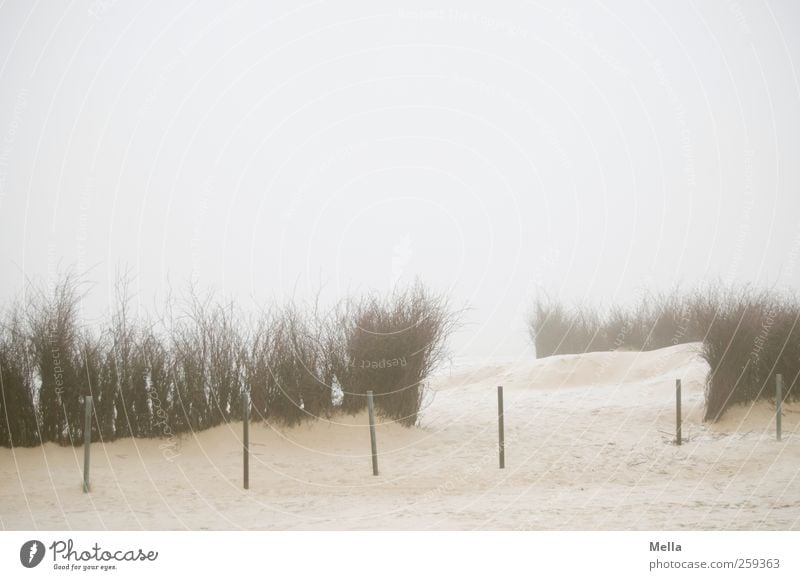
(187, 371)
(656, 321)
(749, 336)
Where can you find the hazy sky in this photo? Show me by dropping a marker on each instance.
(492, 149)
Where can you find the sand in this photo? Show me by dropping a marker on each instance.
(589, 443)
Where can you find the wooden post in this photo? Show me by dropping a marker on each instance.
(373, 442)
(501, 428)
(87, 440)
(246, 438)
(678, 433)
(778, 405)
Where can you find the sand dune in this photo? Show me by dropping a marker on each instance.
(589, 446)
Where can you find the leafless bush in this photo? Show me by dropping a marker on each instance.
(206, 364)
(18, 420)
(392, 345)
(256, 365)
(555, 330)
(655, 321)
(295, 381)
(120, 404)
(54, 335)
(753, 337)
(153, 363)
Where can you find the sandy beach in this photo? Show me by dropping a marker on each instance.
(589, 446)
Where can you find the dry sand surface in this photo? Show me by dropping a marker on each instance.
(589, 446)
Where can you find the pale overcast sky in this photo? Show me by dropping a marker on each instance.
(491, 149)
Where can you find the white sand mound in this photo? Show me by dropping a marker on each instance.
(589, 446)
(593, 368)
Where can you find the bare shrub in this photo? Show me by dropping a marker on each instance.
(206, 364)
(292, 356)
(18, 420)
(90, 372)
(556, 330)
(54, 337)
(655, 321)
(152, 366)
(256, 365)
(121, 402)
(753, 337)
(392, 346)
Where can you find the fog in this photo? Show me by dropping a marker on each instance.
(590, 150)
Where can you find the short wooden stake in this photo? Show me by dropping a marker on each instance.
(501, 428)
(373, 441)
(778, 405)
(246, 438)
(678, 422)
(87, 440)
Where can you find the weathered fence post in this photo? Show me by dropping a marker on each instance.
(778, 405)
(678, 422)
(501, 428)
(373, 442)
(87, 440)
(246, 438)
